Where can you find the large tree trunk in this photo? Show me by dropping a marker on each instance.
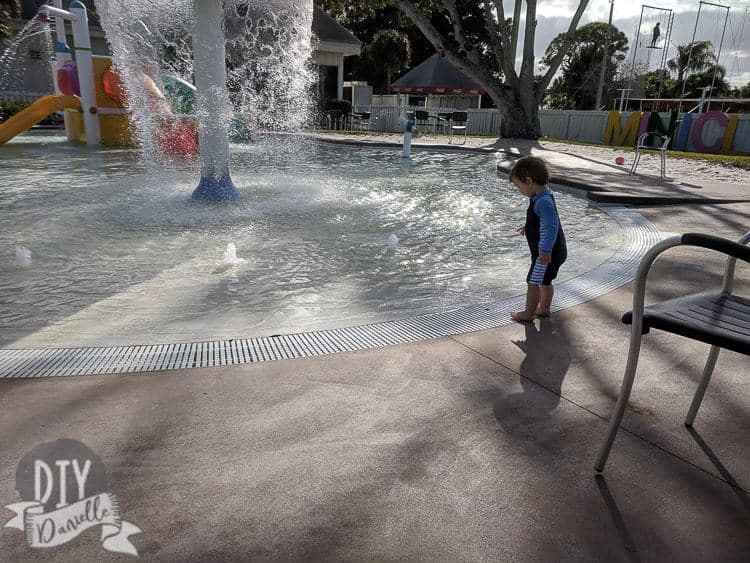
(518, 95)
(517, 120)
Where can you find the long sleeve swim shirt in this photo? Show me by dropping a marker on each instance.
(549, 222)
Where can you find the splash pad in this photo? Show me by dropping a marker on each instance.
(324, 237)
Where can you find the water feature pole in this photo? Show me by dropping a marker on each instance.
(62, 55)
(213, 103)
(82, 44)
(408, 124)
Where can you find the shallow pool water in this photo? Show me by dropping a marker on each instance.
(120, 254)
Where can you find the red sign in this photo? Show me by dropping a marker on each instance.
(435, 90)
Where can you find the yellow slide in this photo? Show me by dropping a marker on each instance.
(33, 114)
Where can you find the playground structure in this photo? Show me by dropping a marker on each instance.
(654, 35)
(665, 15)
(718, 54)
(89, 92)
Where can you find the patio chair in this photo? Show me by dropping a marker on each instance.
(459, 121)
(643, 144)
(443, 120)
(423, 119)
(361, 120)
(334, 119)
(720, 319)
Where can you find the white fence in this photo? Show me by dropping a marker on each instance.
(584, 126)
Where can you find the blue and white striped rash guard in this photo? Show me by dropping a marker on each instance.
(544, 208)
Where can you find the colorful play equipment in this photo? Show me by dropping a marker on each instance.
(92, 96)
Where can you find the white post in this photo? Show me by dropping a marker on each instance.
(703, 98)
(408, 125)
(213, 102)
(340, 80)
(85, 66)
(62, 51)
(62, 55)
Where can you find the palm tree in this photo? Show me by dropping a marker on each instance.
(693, 57)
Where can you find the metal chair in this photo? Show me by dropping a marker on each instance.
(443, 120)
(642, 144)
(334, 119)
(423, 118)
(720, 319)
(459, 122)
(361, 120)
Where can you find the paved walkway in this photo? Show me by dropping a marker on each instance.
(470, 448)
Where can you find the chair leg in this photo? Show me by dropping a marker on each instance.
(635, 161)
(622, 402)
(713, 355)
(661, 168)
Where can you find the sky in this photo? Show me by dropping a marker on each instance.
(553, 17)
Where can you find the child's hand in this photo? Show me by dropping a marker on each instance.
(521, 230)
(544, 258)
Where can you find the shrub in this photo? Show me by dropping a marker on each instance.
(344, 106)
(9, 108)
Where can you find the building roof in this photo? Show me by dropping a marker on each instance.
(324, 26)
(329, 30)
(436, 76)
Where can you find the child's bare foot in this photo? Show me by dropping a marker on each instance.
(541, 313)
(522, 316)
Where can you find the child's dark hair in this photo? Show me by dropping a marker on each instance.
(531, 167)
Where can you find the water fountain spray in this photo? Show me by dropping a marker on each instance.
(213, 103)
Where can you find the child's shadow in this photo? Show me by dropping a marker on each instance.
(542, 373)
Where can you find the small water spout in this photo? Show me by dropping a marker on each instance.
(23, 257)
(229, 260)
(230, 255)
(476, 220)
(392, 242)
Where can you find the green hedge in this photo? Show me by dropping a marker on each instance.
(7, 109)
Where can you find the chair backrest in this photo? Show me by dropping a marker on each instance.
(365, 115)
(643, 139)
(460, 116)
(422, 115)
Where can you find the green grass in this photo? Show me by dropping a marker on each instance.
(740, 161)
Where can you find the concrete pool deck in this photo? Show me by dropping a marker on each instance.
(472, 447)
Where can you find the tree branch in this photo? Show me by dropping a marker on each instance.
(558, 58)
(458, 30)
(500, 39)
(516, 26)
(527, 63)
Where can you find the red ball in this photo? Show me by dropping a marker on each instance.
(620, 160)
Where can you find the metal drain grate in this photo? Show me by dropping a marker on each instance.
(620, 269)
